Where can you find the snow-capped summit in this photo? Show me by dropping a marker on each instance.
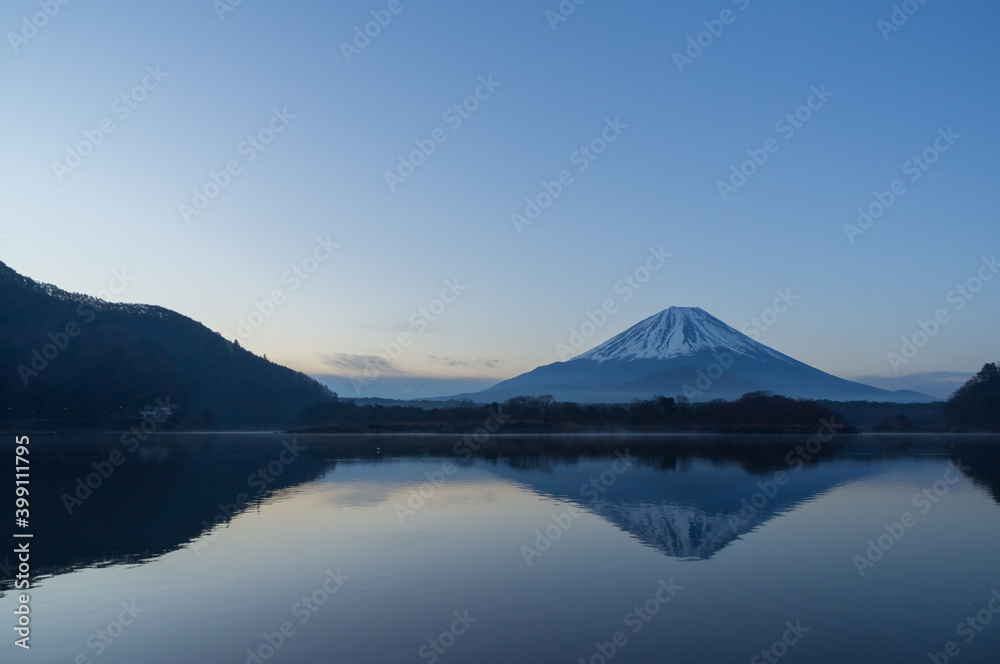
(677, 332)
(682, 351)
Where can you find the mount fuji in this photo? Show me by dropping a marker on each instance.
(684, 351)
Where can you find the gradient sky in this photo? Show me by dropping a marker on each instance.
(324, 175)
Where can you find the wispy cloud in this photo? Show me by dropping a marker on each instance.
(358, 364)
(453, 362)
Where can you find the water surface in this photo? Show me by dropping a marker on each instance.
(531, 550)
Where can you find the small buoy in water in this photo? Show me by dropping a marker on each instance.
(378, 450)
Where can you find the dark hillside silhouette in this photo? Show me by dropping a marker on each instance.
(70, 356)
(976, 405)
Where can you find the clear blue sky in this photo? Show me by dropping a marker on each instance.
(655, 185)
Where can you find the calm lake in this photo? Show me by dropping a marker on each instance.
(266, 548)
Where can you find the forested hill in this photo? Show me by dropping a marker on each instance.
(70, 356)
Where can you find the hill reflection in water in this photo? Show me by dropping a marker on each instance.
(685, 497)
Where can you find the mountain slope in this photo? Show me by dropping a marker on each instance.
(65, 355)
(678, 332)
(686, 352)
(691, 512)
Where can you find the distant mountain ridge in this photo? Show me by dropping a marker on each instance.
(684, 351)
(65, 355)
